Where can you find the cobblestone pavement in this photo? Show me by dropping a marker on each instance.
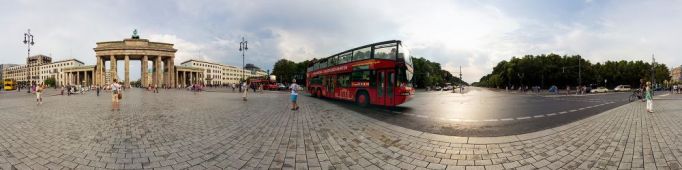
(182, 130)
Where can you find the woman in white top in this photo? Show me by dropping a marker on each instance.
(115, 101)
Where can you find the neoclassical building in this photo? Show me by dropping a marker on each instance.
(161, 55)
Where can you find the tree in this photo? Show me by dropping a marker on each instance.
(552, 69)
(51, 82)
(285, 70)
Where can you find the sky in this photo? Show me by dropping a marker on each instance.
(475, 35)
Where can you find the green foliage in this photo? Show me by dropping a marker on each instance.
(286, 70)
(551, 69)
(427, 73)
(51, 82)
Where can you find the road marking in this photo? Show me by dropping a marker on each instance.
(572, 110)
(564, 112)
(538, 116)
(422, 116)
(491, 120)
(551, 114)
(469, 120)
(521, 118)
(506, 119)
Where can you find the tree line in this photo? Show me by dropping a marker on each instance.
(426, 73)
(552, 69)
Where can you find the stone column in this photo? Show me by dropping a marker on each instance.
(144, 71)
(157, 70)
(78, 78)
(127, 71)
(166, 72)
(113, 68)
(96, 74)
(191, 77)
(153, 72)
(92, 75)
(102, 71)
(171, 67)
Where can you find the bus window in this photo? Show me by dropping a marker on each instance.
(343, 80)
(333, 61)
(361, 54)
(344, 58)
(361, 76)
(386, 51)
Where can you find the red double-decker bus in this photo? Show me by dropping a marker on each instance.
(377, 74)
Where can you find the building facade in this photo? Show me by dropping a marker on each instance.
(220, 74)
(56, 70)
(28, 73)
(676, 74)
(2, 68)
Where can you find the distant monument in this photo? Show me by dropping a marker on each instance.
(135, 36)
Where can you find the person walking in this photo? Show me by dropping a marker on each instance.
(39, 92)
(649, 98)
(115, 96)
(294, 94)
(97, 89)
(245, 87)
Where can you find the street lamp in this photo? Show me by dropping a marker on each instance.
(243, 46)
(28, 40)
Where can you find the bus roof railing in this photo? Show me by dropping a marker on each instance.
(353, 49)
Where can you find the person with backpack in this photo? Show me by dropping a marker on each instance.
(115, 96)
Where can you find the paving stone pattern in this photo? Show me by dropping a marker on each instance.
(181, 130)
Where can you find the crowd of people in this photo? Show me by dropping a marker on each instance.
(116, 90)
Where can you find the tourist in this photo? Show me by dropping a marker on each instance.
(97, 89)
(245, 87)
(115, 96)
(294, 94)
(232, 84)
(39, 91)
(649, 98)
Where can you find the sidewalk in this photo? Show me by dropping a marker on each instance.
(219, 131)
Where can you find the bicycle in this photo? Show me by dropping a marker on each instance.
(636, 95)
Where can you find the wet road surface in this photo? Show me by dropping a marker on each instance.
(486, 112)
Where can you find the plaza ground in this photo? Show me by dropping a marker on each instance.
(177, 129)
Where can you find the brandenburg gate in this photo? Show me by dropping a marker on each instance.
(162, 56)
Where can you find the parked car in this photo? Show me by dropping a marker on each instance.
(600, 90)
(447, 88)
(621, 88)
(281, 86)
(437, 88)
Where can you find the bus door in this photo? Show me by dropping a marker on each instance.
(330, 85)
(385, 87)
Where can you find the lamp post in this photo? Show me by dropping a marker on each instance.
(28, 40)
(243, 46)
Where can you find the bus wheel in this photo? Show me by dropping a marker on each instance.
(362, 99)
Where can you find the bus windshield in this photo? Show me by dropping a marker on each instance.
(404, 55)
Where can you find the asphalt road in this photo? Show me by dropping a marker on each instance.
(485, 112)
